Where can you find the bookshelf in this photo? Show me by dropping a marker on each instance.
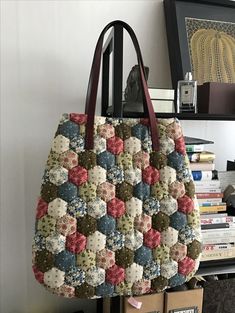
(185, 116)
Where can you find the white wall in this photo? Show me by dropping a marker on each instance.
(46, 51)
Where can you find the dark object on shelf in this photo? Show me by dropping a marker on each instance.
(230, 165)
(219, 296)
(133, 90)
(216, 98)
(196, 141)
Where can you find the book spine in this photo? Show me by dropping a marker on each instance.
(212, 209)
(201, 157)
(218, 240)
(204, 175)
(223, 233)
(194, 148)
(207, 184)
(206, 248)
(216, 201)
(215, 226)
(217, 220)
(218, 255)
(208, 204)
(202, 166)
(209, 195)
(207, 190)
(211, 215)
(162, 94)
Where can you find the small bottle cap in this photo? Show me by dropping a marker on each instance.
(188, 76)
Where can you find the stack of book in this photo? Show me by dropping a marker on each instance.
(207, 184)
(218, 229)
(162, 99)
(218, 237)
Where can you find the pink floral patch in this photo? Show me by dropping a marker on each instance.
(66, 291)
(174, 130)
(185, 204)
(106, 191)
(141, 159)
(67, 225)
(106, 131)
(115, 275)
(177, 189)
(38, 275)
(41, 209)
(143, 223)
(69, 159)
(78, 118)
(116, 207)
(105, 258)
(76, 242)
(152, 238)
(141, 287)
(150, 175)
(78, 175)
(115, 145)
(186, 266)
(180, 145)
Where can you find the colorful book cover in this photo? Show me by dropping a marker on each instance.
(205, 175)
(205, 195)
(202, 166)
(194, 148)
(215, 226)
(203, 156)
(207, 184)
(213, 208)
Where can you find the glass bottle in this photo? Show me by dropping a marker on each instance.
(187, 95)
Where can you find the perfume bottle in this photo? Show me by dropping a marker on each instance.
(187, 95)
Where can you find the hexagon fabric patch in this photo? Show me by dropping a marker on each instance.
(120, 218)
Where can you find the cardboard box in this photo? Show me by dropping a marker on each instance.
(189, 301)
(153, 303)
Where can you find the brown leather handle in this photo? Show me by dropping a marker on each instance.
(93, 86)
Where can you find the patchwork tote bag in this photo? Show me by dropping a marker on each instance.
(117, 214)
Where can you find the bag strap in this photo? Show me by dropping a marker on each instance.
(93, 87)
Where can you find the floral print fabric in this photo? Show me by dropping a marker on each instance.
(119, 219)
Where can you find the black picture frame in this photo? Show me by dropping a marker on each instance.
(175, 13)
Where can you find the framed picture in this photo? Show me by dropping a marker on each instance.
(201, 39)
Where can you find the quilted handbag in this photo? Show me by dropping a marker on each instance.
(117, 213)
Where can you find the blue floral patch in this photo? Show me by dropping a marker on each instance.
(77, 208)
(151, 271)
(77, 143)
(176, 280)
(104, 290)
(142, 191)
(106, 224)
(68, 129)
(175, 160)
(115, 241)
(115, 175)
(178, 220)
(106, 160)
(75, 277)
(151, 206)
(67, 191)
(143, 256)
(65, 260)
